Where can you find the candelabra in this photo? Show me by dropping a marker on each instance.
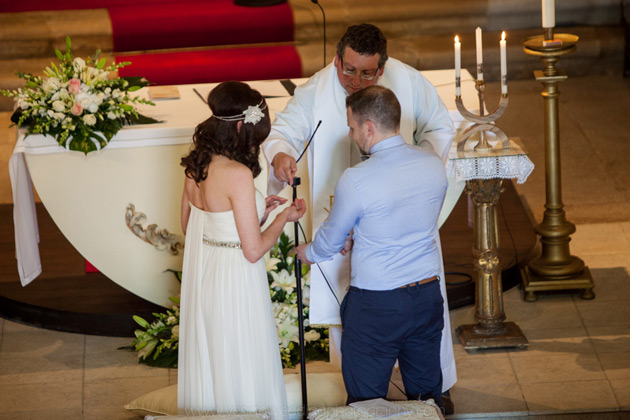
(555, 269)
(490, 330)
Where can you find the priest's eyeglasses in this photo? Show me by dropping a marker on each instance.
(369, 75)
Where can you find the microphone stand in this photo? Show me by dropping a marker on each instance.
(298, 285)
(300, 307)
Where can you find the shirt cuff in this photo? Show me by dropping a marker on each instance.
(308, 251)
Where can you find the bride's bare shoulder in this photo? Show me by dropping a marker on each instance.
(232, 168)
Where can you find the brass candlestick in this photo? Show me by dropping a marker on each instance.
(483, 123)
(555, 269)
(490, 331)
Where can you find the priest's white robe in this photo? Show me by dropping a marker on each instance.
(425, 121)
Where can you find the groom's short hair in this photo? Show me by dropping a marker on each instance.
(377, 104)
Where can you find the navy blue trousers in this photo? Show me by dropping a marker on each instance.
(382, 326)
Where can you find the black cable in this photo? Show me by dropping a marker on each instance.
(468, 265)
(201, 97)
(468, 277)
(324, 17)
(507, 227)
(337, 299)
(320, 269)
(397, 387)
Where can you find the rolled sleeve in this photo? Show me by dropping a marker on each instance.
(345, 212)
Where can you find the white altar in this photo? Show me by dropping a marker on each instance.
(88, 196)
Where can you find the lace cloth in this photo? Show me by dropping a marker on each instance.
(418, 410)
(507, 164)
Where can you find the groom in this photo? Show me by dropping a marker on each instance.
(361, 61)
(391, 203)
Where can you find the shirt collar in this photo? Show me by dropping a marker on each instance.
(388, 143)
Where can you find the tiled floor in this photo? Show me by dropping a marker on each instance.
(578, 360)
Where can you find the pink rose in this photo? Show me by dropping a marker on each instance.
(74, 85)
(76, 109)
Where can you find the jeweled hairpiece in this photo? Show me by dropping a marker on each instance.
(252, 114)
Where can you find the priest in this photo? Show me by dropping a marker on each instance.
(361, 61)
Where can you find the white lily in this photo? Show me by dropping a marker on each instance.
(147, 349)
(283, 280)
(286, 333)
(271, 263)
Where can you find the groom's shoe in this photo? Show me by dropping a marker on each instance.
(449, 407)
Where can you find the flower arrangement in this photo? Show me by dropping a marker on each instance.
(159, 339)
(157, 342)
(79, 102)
(282, 286)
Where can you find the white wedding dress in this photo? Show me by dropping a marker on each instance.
(229, 360)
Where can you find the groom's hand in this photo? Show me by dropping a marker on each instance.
(300, 252)
(284, 167)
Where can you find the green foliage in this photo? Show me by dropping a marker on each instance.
(157, 342)
(282, 286)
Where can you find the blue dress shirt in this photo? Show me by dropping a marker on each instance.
(392, 201)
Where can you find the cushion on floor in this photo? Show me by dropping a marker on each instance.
(324, 390)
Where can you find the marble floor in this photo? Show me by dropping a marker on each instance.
(577, 365)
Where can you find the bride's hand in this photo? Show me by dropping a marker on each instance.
(296, 210)
(271, 202)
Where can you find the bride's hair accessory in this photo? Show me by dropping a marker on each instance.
(252, 114)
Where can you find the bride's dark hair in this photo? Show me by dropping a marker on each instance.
(218, 137)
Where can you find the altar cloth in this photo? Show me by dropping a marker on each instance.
(509, 163)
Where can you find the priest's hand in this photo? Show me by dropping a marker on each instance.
(284, 167)
(300, 252)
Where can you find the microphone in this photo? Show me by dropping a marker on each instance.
(324, 17)
(296, 182)
(309, 141)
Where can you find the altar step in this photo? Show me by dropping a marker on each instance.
(420, 33)
(64, 297)
(599, 51)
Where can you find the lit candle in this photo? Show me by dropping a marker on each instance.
(458, 66)
(479, 54)
(503, 65)
(548, 13)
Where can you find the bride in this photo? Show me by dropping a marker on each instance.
(229, 359)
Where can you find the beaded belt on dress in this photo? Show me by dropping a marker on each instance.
(221, 244)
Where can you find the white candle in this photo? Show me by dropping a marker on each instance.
(479, 54)
(548, 13)
(458, 66)
(503, 64)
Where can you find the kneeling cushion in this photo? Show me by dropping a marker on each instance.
(324, 390)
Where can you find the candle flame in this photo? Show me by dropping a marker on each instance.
(456, 38)
(503, 36)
